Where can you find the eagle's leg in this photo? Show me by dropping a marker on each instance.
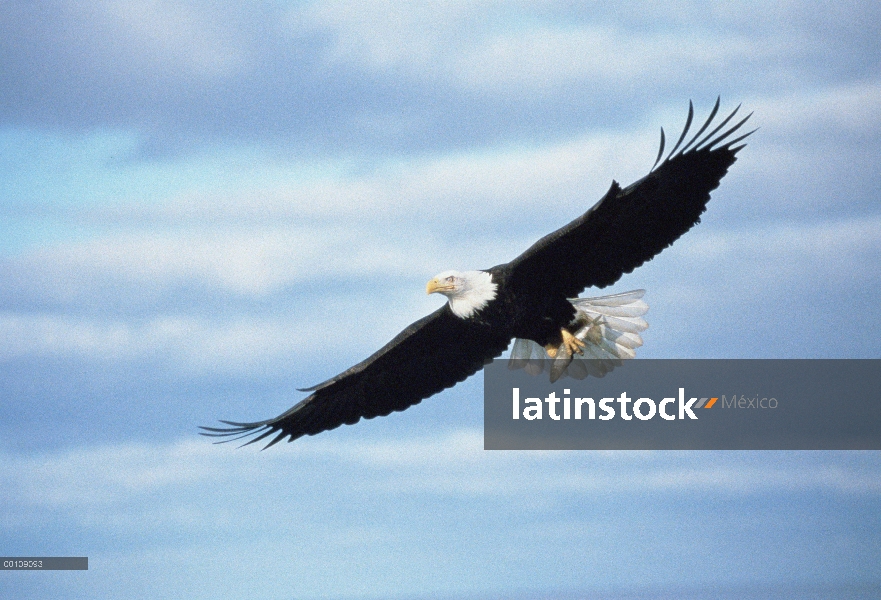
(571, 344)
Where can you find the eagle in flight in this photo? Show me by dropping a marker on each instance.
(532, 299)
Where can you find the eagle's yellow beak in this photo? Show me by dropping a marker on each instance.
(436, 286)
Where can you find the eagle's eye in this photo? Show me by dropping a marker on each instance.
(451, 279)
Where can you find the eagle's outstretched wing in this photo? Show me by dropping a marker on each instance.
(622, 231)
(434, 353)
(629, 226)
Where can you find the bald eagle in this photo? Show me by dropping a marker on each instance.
(531, 298)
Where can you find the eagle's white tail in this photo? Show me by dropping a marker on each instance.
(609, 326)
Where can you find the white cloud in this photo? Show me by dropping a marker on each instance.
(291, 216)
(547, 59)
(248, 262)
(472, 184)
(389, 225)
(764, 258)
(258, 260)
(235, 345)
(245, 262)
(178, 38)
(504, 48)
(851, 111)
(397, 221)
(307, 511)
(381, 34)
(452, 463)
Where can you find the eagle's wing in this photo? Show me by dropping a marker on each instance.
(628, 227)
(434, 353)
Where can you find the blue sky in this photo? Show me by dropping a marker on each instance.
(206, 205)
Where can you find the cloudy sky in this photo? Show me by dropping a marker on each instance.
(207, 204)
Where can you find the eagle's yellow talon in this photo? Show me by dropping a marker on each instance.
(572, 344)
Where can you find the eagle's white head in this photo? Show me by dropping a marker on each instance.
(468, 292)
